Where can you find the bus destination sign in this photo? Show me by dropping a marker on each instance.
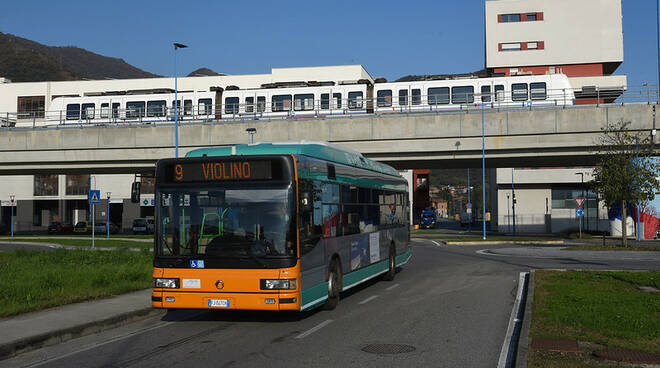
(210, 171)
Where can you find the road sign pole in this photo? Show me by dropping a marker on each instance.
(580, 220)
(93, 218)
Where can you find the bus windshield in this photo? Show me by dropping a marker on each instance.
(216, 222)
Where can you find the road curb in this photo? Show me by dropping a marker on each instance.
(514, 242)
(12, 348)
(509, 351)
(523, 341)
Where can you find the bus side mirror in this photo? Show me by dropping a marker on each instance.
(306, 202)
(135, 192)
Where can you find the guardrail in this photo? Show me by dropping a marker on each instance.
(331, 108)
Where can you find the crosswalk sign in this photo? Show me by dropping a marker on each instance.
(94, 197)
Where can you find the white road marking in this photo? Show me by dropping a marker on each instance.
(436, 243)
(368, 299)
(392, 287)
(314, 329)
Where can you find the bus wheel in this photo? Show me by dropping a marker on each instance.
(334, 280)
(389, 276)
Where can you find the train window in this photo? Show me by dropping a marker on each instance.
(105, 110)
(325, 101)
(538, 91)
(134, 109)
(87, 111)
(115, 110)
(416, 96)
(204, 106)
(156, 108)
(187, 107)
(403, 97)
(281, 103)
(261, 103)
(462, 94)
(231, 105)
(384, 98)
(337, 100)
(499, 92)
(179, 108)
(531, 17)
(304, 102)
(249, 104)
(355, 100)
(519, 91)
(485, 93)
(438, 96)
(72, 111)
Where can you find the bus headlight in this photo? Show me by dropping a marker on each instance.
(278, 284)
(166, 283)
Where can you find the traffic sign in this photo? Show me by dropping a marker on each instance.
(469, 205)
(579, 212)
(579, 201)
(94, 197)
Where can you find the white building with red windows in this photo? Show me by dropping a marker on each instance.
(582, 39)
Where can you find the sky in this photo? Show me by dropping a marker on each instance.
(390, 38)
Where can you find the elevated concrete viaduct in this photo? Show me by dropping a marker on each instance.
(523, 138)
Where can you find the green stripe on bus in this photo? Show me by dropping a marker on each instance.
(363, 274)
(403, 258)
(316, 294)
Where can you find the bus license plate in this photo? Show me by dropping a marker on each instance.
(222, 303)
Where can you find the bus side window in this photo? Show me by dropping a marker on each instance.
(310, 230)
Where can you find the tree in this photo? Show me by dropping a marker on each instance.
(625, 171)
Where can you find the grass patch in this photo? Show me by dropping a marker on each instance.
(87, 243)
(652, 248)
(35, 280)
(599, 307)
(77, 235)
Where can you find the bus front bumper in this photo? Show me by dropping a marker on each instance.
(274, 301)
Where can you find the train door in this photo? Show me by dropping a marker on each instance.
(370, 97)
(218, 101)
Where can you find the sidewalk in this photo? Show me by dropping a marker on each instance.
(34, 330)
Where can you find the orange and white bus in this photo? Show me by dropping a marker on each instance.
(275, 226)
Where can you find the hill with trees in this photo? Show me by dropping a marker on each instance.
(23, 60)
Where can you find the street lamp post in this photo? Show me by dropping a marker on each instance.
(176, 102)
(469, 201)
(508, 216)
(251, 132)
(513, 204)
(107, 224)
(483, 169)
(12, 198)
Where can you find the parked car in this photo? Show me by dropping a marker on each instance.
(100, 228)
(428, 220)
(57, 227)
(143, 226)
(82, 227)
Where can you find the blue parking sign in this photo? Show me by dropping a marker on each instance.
(94, 197)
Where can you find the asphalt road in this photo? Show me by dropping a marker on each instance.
(450, 305)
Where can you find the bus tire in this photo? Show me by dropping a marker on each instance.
(334, 286)
(391, 271)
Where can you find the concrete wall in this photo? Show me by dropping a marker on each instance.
(592, 26)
